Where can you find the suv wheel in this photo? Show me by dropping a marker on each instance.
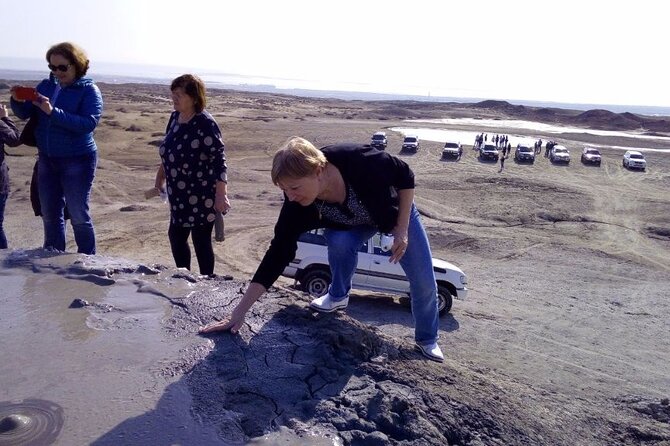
(444, 300)
(316, 282)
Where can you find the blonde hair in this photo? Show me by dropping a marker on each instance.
(297, 158)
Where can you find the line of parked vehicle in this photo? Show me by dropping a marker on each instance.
(488, 151)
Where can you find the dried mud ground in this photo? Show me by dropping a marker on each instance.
(563, 338)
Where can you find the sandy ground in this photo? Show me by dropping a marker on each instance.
(569, 266)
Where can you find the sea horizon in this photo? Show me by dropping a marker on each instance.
(24, 69)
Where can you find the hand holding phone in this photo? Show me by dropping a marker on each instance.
(24, 93)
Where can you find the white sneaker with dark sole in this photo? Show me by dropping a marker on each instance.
(326, 304)
(431, 351)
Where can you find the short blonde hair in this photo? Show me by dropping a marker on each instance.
(297, 158)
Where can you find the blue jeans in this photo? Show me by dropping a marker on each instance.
(61, 180)
(343, 246)
(3, 238)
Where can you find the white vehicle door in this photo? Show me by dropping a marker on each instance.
(363, 267)
(383, 274)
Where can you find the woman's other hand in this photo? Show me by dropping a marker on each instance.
(43, 104)
(221, 203)
(400, 241)
(3, 111)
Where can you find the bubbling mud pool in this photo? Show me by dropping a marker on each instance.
(102, 363)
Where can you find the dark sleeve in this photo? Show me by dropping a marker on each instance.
(293, 220)
(9, 134)
(22, 110)
(402, 176)
(216, 147)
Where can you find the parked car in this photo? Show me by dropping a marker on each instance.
(488, 151)
(633, 159)
(374, 272)
(591, 156)
(378, 140)
(410, 144)
(452, 149)
(559, 154)
(524, 152)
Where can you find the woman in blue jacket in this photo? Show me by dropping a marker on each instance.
(67, 108)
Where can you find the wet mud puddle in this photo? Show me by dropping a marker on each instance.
(99, 353)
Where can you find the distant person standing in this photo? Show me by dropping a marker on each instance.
(67, 107)
(502, 162)
(9, 135)
(193, 172)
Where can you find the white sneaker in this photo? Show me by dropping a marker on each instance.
(326, 304)
(431, 351)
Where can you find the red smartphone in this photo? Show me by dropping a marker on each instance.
(25, 93)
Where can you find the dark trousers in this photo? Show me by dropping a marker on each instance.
(202, 243)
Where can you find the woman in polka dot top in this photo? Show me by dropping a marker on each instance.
(193, 173)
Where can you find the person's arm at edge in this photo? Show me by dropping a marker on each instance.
(8, 132)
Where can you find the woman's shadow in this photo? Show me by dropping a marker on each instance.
(244, 389)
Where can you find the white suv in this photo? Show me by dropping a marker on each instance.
(374, 272)
(559, 154)
(410, 144)
(452, 149)
(633, 159)
(378, 140)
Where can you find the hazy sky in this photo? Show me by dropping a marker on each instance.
(584, 51)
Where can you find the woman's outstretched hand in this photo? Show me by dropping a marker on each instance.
(226, 324)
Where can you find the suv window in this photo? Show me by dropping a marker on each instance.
(410, 139)
(451, 145)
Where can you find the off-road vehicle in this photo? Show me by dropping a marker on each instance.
(311, 271)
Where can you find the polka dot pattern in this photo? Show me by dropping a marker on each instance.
(193, 158)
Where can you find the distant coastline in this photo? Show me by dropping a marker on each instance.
(30, 70)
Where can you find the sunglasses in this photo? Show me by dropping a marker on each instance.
(62, 68)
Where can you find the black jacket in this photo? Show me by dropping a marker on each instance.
(375, 176)
(9, 135)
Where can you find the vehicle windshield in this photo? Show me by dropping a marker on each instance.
(636, 156)
(378, 137)
(592, 152)
(451, 145)
(490, 148)
(560, 150)
(525, 149)
(410, 139)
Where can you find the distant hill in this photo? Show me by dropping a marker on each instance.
(592, 119)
